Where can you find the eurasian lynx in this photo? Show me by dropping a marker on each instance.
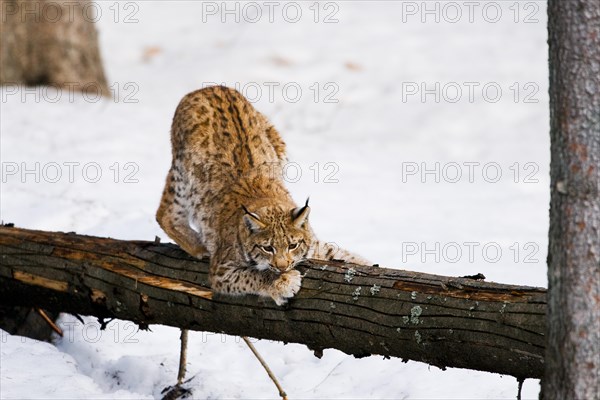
(225, 197)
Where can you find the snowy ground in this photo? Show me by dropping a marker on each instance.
(366, 112)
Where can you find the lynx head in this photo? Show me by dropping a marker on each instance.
(275, 238)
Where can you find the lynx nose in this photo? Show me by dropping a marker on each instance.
(282, 264)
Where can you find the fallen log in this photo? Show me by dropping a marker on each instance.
(360, 310)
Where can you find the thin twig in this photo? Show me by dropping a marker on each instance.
(266, 367)
(182, 356)
(49, 321)
(520, 380)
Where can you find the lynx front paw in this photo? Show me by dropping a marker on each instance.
(286, 286)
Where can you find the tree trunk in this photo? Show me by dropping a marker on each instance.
(573, 347)
(443, 321)
(46, 42)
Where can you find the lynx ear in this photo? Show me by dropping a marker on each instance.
(300, 215)
(252, 220)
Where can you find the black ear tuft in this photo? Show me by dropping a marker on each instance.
(299, 210)
(252, 220)
(300, 215)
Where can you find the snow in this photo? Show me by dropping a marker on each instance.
(373, 194)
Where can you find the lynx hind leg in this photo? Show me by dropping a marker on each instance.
(243, 280)
(331, 251)
(173, 216)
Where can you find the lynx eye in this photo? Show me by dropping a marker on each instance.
(293, 246)
(268, 249)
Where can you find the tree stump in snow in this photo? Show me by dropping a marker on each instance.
(50, 43)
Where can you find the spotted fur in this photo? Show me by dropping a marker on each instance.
(224, 196)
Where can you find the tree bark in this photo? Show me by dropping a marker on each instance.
(46, 42)
(443, 321)
(573, 347)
